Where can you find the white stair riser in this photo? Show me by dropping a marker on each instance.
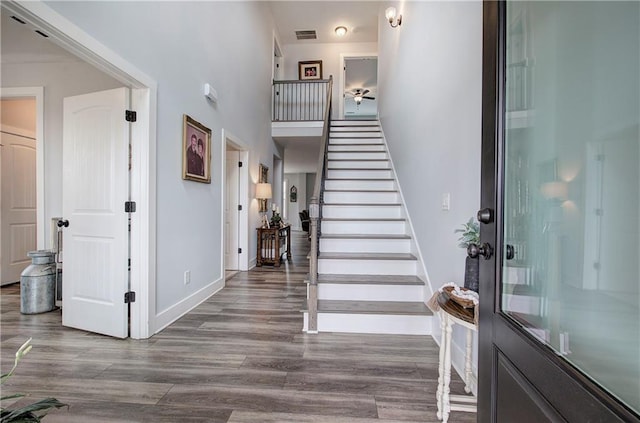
(372, 323)
(342, 141)
(381, 245)
(358, 164)
(367, 227)
(359, 134)
(361, 197)
(362, 212)
(359, 155)
(350, 173)
(357, 185)
(371, 292)
(366, 267)
(356, 147)
(368, 128)
(340, 123)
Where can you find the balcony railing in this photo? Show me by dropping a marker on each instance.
(295, 101)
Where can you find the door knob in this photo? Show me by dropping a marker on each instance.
(510, 252)
(485, 215)
(485, 250)
(63, 222)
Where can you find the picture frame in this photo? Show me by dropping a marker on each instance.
(310, 69)
(263, 177)
(293, 194)
(196, 151)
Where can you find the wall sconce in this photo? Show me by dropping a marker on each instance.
(341, 31)
(390, 14)
(557, 190)
(263, 193)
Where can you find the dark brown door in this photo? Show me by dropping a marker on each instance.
(559, 288)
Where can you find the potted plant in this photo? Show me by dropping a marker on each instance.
(470, 235)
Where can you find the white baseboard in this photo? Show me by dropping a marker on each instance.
(253, 262)
(176, 311)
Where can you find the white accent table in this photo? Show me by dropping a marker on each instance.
(452, 313)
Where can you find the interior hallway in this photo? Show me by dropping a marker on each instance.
(238, 357)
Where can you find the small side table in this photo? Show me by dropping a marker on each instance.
(452, 313)
(270, 244)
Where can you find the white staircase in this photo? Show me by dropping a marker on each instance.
(367, 279)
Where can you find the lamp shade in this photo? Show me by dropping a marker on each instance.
(263, 191)
(390, 13)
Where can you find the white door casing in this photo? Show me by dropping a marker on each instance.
(18, 214)
(231, 211)
(95, 188)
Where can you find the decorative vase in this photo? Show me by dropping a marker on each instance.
(472, 273)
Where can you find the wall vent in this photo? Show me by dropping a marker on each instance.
(309, 34)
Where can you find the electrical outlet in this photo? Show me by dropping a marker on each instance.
(187, 277)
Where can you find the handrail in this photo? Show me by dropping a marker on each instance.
(315, 212)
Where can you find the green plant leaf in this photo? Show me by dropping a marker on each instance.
(28, 411)
(8, 397)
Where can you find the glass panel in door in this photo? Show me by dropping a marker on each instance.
(570, 275)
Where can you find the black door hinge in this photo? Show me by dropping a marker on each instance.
(239, 207)
(129, 297)
(239, 250)
(129, 206)
(130, 116)
(239, 164)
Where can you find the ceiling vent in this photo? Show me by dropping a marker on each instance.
(306, 35)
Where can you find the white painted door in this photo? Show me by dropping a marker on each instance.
(95, 188)
(231, 211)
(18, 214)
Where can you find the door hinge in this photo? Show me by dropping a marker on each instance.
(239, 250)
(239, 164)
(129, 206)
(239, 207)
(129, 297)
(130, 116)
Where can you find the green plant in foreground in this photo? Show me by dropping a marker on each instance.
(470, 233)
(29, 413)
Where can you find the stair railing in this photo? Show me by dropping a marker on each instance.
(315, 216)
(295, 101)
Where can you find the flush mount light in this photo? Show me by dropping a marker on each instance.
(341, 31)
(390, 14)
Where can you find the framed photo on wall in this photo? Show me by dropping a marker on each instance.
(310, 70)
(196, 151)
(263, 177)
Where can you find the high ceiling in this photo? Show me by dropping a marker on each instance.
(359, 17)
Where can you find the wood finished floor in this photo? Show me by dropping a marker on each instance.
(239, 357)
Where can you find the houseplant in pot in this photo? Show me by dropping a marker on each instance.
(470, 235)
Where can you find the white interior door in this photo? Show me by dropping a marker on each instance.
(95, 188)
(231, 211)
(18, 204)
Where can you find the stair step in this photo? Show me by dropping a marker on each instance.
(350, 141)
(358, 173)
(364, 211)
(360, 134)
(357, 155)
(363, 128)
(370, 243)
(358, 164)
(366, 256)
(357, 264)
(371, 279)
(342, 123)
(374, 307)
(357, 147)
(331, 226)
(352, 196)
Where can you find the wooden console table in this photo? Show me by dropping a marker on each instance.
(452, 313)
(271, 242)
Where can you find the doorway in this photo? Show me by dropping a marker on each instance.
(359, 87)
(235, 241)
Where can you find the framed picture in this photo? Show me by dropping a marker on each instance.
(263, 177)
(196, 151)
(310, 70)
(293, 194)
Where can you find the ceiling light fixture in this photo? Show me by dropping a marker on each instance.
(358, 99)
(341, 31)
(390, 14)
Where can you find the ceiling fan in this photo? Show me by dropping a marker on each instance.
(360, 94)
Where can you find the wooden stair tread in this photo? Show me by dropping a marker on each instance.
(358, 160)
(359, 168)
(360, 190)
(372, 307)
(360, 179)
(366, 256)
(371, 279)
(364, 236)
(362, 204)
(363, 219)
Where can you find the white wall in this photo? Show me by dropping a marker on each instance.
(299, 180)
(59, 80)
(429, 93)
(329, 53)
(182, 47)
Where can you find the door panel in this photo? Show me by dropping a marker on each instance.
(559, 319)
(231, 211)
(95, 188)
(18, 221)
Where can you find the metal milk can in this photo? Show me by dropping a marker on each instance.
(38, 283)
